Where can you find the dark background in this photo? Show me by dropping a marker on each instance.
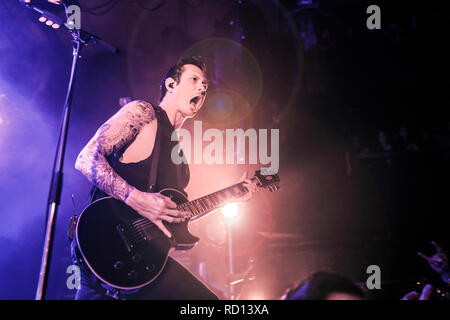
(314, 72)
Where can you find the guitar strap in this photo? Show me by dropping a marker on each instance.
(153, 174)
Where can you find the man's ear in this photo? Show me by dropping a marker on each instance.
(170, 84)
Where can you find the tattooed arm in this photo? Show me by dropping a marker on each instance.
(116, 133)
(110, 138)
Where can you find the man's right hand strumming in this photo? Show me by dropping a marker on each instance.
(155, 207)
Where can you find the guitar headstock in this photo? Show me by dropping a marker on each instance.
(269, 181)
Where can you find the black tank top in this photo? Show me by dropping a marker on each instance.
(137, 174)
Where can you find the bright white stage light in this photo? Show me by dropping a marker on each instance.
(55, 26)
(42, 19)
(49, 22)
(230, 210)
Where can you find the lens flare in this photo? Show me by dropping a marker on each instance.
(232, 66)
(230, 210)
(226, 109)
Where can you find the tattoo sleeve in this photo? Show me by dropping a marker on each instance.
(111, 137)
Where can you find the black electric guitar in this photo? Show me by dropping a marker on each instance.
(127, 251)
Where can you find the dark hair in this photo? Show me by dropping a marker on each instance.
(176, 71)
(320, 285)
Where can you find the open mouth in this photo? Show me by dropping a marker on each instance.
(195, 101)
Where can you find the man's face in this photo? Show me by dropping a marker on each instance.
(190, 92)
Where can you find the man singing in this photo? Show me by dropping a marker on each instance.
(118, 162)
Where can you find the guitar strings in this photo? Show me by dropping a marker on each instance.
(200, 206)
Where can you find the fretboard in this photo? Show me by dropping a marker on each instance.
(210, 202)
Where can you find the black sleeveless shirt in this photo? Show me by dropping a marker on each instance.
(137, 174)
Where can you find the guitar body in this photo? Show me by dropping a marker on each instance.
(127, 251)
(124, 249)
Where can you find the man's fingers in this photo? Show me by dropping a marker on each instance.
(176, 213)
(420, 254)
(437, 247)
(172, 219)
(244, 176)
(436, 263)
(167, 201)
(250, 185)
(251, 189)
(245, 197)
(411, 296)
(427, 291)
(170, 203)
(163, 228)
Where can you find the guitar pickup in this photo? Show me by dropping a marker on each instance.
(121, 230)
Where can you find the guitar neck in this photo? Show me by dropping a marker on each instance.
(204, 205)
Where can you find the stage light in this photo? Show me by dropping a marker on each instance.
(230, 210)
(255, 293)
(55, 26)
(42, 19)
(49, 22)
(257, 296)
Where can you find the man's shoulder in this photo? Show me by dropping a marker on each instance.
(139, 108)
(140, 105)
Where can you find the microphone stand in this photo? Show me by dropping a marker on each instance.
(80, 39)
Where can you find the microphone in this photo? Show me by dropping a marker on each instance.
(56, 22)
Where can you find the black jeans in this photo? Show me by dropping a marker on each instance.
(174, 283)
